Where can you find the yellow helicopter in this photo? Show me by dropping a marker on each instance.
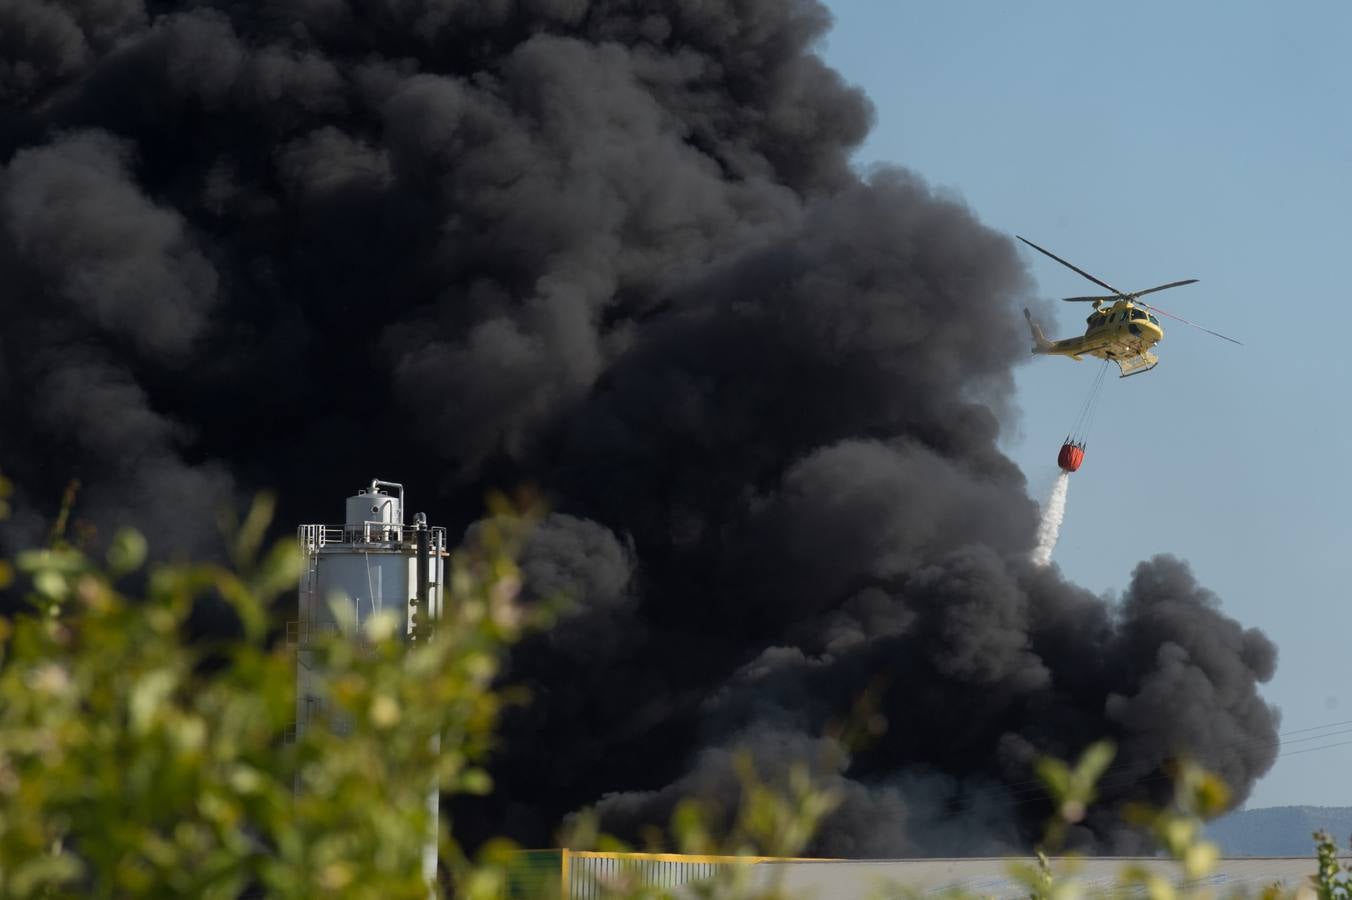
(1122, 333)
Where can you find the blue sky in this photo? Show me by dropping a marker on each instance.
(1146, 143)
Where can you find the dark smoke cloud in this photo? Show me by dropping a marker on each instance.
(45, 43)
(615, 249)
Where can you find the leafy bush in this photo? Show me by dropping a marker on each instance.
(136, 763)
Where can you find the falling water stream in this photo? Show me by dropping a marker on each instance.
(1052, 514)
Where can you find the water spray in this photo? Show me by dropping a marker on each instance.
(1052, 515)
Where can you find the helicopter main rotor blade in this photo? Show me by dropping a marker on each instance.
(1193, 324)
(1133, 295)
(1163, 287)
(1073, 268)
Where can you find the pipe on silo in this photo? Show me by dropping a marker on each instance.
(377, 484)
(422, 600)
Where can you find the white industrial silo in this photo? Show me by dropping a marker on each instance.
(372, 563)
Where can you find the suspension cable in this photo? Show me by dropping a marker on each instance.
(1094, 405)
(1080, 429)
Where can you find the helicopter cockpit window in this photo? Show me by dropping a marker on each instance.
(1154, 320)
(1095, 320)
(1137, 314)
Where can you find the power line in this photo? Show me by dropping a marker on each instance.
(1312, 749)
(1317, 737)
(1316, 727)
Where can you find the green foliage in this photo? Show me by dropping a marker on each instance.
(1177, 830)
(776, 820)
(1198, 795)
(134, 763)
(773, 819)
(1332, 880)
(1073, 789)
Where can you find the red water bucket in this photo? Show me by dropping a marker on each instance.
(1070, 457)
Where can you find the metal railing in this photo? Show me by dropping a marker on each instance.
(314, 537)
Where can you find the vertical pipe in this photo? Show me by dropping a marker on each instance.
(422, 604)
(423, 591)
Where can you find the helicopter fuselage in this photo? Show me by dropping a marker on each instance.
(1122, 333)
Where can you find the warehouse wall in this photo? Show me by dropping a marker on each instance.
(575, 875)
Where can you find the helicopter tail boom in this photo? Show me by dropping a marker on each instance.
(1040, 342)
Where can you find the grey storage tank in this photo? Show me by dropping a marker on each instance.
(372, 564)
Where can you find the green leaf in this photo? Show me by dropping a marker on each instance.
(476, 782)
(1055, 776)
(1199, 859)
(147, 695)
(250, 535)
(1212, 796)
(278, 572)
(1094, 762)
(41, 872)
(126, 553)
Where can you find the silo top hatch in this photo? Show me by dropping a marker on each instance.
(375, 505)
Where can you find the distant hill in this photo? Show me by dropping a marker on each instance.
(1280, 830)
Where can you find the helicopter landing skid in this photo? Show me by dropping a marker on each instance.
(1135, 365)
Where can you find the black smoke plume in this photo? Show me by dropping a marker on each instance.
(614, 248)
